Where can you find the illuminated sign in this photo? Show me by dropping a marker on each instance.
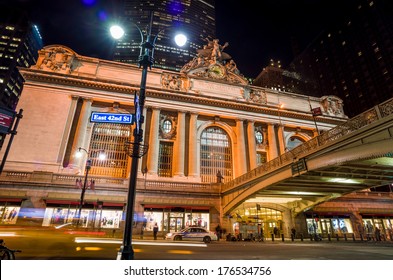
(98, 117)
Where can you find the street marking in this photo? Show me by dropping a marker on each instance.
(182, 252)
(118, 241)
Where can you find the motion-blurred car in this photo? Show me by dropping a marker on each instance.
(73, 229)
(192, 234)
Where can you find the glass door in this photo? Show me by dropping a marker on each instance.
(175, 224)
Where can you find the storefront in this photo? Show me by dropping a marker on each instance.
(324, 225)
(257, 221)
(9, 212)
(93, 215)
(373, 222)
(171, 219)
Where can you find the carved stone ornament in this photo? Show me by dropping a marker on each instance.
(332, 105)
(164, 132)
(170, 81)
(256, 96)
(56, 58)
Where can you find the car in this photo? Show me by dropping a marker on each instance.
(74, 229)
(192, 234)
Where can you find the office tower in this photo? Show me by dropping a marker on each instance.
(353, 58)
(19, 44)
(194, 17)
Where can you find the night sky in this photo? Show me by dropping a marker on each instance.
(256, 31)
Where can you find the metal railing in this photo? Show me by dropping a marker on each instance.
(368, 117)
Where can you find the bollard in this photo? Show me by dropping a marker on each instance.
(273, 237)
(391, 236)
(282, 237)
(337, 237)
(329, 237)
(353, 237)
(345, 237)
(301, 237)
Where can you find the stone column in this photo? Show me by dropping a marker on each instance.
(281, 139)
(80, 136)
(144, 141)
(271, 135)
(240, 163)
(179, 146)
(252, 146)
(154, 143)
(193, 162)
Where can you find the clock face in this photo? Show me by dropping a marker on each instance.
(217, 71)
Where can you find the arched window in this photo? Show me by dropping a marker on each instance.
(216, 155)
(110, 138)
(294, 141)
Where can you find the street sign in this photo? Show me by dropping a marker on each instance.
(299, 166)
(99, 117)
(6, 119)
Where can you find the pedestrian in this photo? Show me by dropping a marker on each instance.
(155, 231)
(293, 230)
(377, 234)
(218, 232)
(275, 231)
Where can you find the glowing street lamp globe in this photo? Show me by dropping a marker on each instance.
(180, 40)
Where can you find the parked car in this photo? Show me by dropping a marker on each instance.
(192, 234)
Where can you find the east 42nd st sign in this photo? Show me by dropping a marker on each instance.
(98, 117)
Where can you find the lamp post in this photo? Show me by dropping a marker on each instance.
(135, 149)
(87, 169)
(280, 106)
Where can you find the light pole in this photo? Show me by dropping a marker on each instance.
(280, 106)
(87, 169)
(135, 149)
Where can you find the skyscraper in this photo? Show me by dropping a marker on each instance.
(196, 18)
(353, 57)
(19, 44)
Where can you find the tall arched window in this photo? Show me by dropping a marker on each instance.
(110, 138)
(216, 154)
(294, 141)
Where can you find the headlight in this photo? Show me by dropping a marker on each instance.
(169, 234)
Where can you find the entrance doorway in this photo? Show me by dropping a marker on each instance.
(175, 224)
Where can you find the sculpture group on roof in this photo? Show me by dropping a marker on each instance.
(211, 55)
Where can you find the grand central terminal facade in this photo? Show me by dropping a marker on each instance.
(200, 122)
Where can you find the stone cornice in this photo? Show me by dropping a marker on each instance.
(180, 96)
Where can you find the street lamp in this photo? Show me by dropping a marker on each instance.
(280, 106)
(135, 149)
(101, 156)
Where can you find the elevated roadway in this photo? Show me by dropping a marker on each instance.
(353, 156)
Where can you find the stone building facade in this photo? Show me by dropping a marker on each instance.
(200, 121)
